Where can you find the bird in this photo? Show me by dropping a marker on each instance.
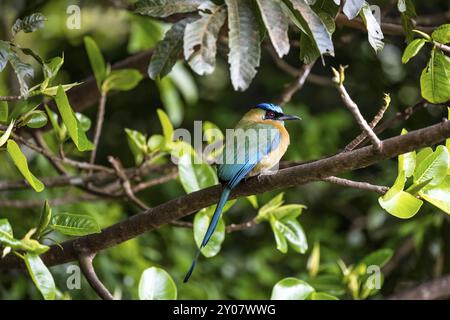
(258, 142)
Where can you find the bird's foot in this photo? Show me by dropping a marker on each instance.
(265, 173)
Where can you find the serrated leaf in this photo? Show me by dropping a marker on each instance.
(23, 71)
(434, 167)
(96, 60)
(201, 223)
(20, 161)
(167, 50)
(5, 136)
(352, 7)
(165, 8)
(200, 38)
(41, 276)
(374, 33)
(435, 78)
(121, 80)
(313, 26)
(277, 24)
(412, 49)
(29, 24)
(74, 224)
(157, 284)
(194, 177)
(291, 289)
(244, 43)
(442, 34)
(71, 122)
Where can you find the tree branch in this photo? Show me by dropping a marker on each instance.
(356, 184)
(98, 127)
(182, 206)
(434, 289)
(85, 260)
(296, 85)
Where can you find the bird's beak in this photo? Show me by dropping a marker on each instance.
(285, 117)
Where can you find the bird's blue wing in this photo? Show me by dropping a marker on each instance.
(246, 154)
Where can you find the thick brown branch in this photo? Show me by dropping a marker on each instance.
(434, 289)
(182, 206)
(88, 270)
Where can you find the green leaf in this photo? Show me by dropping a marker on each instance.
(194, 177)
(407, 161)
(167, 50)
(293, 232)
(274, 203)
(41, 276)
(352, 7)
(137, 142)
(439, 195)
(35, 119)
(291, 289)
(166, 125)
(435, 78)
(51, 91)
(433, 167)
(412, 49)
(308, 49)
(5, 136)
(44, 220)
(398, 202)
(374, 33)
(5, 50)
(157, 284)
(29, 24)
(253, 201)
(313, 26)
(20, 161)
(313, 263)
(74, 127)
(322, 296)
(442, 34)
(156, 142)
(23, 70)
(185, 83)
(288, 211)
(447, 141)
(4, 111)
(378, 258)
(74, 224)
(5, 228)
(171, 100)
(277, 24)
(244, 43)
(85, 122)
(201, 223)
(121, 80)
(26, 244)
(280, 240)
(200, 38)
(96, 60)
(51, 69)
(53, 117)
(165, 8)
(423, 154)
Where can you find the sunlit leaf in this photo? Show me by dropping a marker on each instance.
(166, 125)
(36, 119)
(435, 78)
(41, 276)
(314, 260)
(121, 80)
(442, 34)
(433, 167)
(185, 83)
(44, 220)
(293, 232)
(291, 289)
(171, 99)
(5, 136)
(74, 224)
(407, 161)
(322, 296)
(51, 69)
(96, 60)
(374, 32)
(352, 7)
(201, 223)
(137, 142)
(194, 177)
(412, 49)
(275, 202)
(439, 195)
(157, 284)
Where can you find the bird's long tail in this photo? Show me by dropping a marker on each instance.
(212, 226)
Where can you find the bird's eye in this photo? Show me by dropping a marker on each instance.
(270, 115)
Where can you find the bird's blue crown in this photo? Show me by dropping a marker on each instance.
(270, 107)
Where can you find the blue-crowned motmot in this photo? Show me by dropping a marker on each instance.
(258, 143)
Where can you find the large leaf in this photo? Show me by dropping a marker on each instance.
(200, 38)
(74, 224)
(157, 284)
(277, 24)
(185, 83)
(244, 43)
(121, 80)
(5, 50)
(5, 136)
(73, 125)
(96, 60)
(274, 203)
(165, 8)
(412, 49)
(438, 195)
(41, 276)
(23, 71)
(171, 99)
(293, 232)
(313, 26)
(352, 8)
(374, 33)
(20, 161)
(29, 24)
(291, 289)
(201, 223)
(378, 258)
(407, 161)
(308, 49)
(434, 167)
(167, 50)
(194, 177)
(442, 34)
(435, 78)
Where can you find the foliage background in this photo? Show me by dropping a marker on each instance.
(348, 223)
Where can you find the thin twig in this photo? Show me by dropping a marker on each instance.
(37, 136)
(295, 85)
(26, 204)
(241, 226)
(85, 260)
(353, 108)
(98, 127)
(157, 181)
(356, 184)
(360, 138)
(10, 98)
(441, 46)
